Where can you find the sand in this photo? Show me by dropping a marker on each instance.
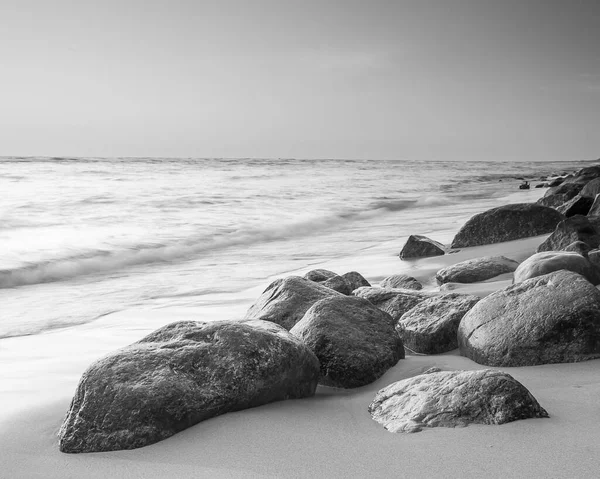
(329, 435)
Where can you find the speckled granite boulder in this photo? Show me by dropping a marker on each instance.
(507, 223)
(418, 246)
(182, 374)
(477, 269)
(553, 318)
(549, 261)
(431, 326)
(453, 398)
(355, 342)
(355, 280)
(393, 301)
(575, 228)
(286, 300)
(339, 284)
(401, 281)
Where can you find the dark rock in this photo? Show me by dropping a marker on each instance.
(594, 257)
(507, 223)
(591, 189)
(286, 300)
(556, 181)
(355, 342)
(543, 263)
(553, 318)
(339, 284)
(401, 281)
(557, 196)
(319, 275)
(595, 208)
(578, 205)
(395, 302)
(453, 398)
(474, 270)
(585, 175)
(575, 228)
(541, 185)
(182, 374)
(420, 246)
(355, 280)
(430, 327)
(579, 247)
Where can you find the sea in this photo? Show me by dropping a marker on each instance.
(82, 238)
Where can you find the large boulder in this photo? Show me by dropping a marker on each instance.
(585, 175)
(559, 195)
(507, 223)
(286, 300)
(453, 398)
(553, 318)
(319, 275)
(355, 280)
(477, 269)
(548, 261)
(355, 341)
(430, 327)
(401, 281)
(595, 208)
(339, 284)
(418, 246)
(575, 228)
(591, 189)
(395, 302)
(182, 374)
(579, 205)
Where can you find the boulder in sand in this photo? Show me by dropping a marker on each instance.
(553, 318)
(507, 223)
(575, 228)
(182, 374)
(548, 261)
(453, 398)
(430, 327)
(395, 302)
(477, 269)
(418, 246)
(401, 281)
(355, 342)
(285, 300)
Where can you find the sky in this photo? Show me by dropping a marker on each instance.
(406, 79)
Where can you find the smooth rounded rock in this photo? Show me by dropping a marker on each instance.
(553, 318)
(477, 269)
(540, 264)
(182, 374)
(355, 342)
(355, 280)
(339, 284)
(453, 398)
(418, 246)
(401, 281)
(393, 301)
(575, 228)
(319, 275)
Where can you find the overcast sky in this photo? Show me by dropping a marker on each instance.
(383, 79)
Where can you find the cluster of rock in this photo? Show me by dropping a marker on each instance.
(340, 331)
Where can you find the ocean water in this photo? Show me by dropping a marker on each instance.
(84, 237)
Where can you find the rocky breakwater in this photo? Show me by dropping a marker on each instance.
(182, 374)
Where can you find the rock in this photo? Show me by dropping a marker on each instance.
(430, 327)
(579, 247)
(556, 181)
(474, 270)
(595, 208)
(541, 185)
(401, 281)
(507, 223)
(339, 284)
(575, 228)
(578, 205)
(585, 175)
(556, 196)
(395, 302)
(591, 189)
(355, 280)
(285, 301)
(543, 263)
(553, 318)
(319, 275)
(453, 398)
(354, 341)
(420, 246)
(594, 257)
(182, 374)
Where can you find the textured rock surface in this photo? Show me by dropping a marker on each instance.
(431, 326)
(507, 223)
(355, 280)
(286, 300)
(401, 281)
(575, 228)
(395, 302)
(559, 195)
(418, 246)
(553, 318)
(339, 284)
(319, 275)
(355, 342)
(595, 208)
(579, 247)
(548, 261)
(576, 206)
(474, 270)
(591, 189)
(182, 374)
(453, 398)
